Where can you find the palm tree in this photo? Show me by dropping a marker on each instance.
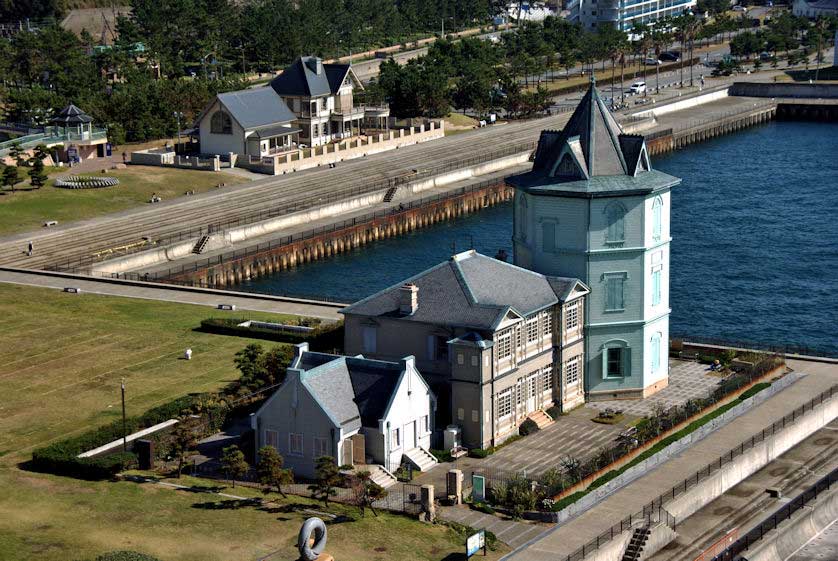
(692, 28)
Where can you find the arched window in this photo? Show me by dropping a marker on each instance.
(657, 218)
(616, 359)
(220, 123)
(655, 351)
(615, 214)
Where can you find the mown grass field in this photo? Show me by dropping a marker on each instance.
(25, 210)
(58, 519)
(62, 357)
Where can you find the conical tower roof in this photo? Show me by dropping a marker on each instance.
(598, 138)
(592, 156)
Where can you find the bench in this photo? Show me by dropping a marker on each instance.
(72, 290)
(49, 223)
(458, 452)
(228, 307)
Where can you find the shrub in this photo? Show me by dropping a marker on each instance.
(480, 506)
(125, 556)
(325, 336)
(441, 455)
(480, 452)
(528, 427)
(555, 411)
(61, 458)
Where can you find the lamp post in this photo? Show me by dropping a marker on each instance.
(178, 115)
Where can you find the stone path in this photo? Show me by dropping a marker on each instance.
(561, 541)
(687, 380)
(510, 532)
(180, 295)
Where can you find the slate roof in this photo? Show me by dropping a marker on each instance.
(256, 107)
(300, 78)
(604, 160)
(71, 115)
(469, 290)
(275, 130)
(355, 391)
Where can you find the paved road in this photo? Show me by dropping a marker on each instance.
(185, 295)
(563, 540)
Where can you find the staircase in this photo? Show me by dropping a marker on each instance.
(381, 476)
(634, 549)
(201, 245)
(420, 458)
(541, 418)
(391, 192)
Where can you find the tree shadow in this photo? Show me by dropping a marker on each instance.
(456, 556)
(229, 504)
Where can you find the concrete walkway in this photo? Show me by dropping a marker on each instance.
(559, 542)
(180, 295)
(509, 532)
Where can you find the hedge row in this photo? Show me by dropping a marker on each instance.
(324, 336)
(61, 457)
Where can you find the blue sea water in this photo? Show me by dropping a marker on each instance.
(754, 250)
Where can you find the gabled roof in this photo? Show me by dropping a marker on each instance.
(256, 107)
(592, 156)
(308, 76)
(353, 391)
(71, 115)
(469, 290)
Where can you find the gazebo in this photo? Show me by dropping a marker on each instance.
(73, 124)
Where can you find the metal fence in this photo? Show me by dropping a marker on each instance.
(79, 262)
(656, 506)
(774, 520)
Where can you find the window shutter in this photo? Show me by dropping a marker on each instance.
(626, 362)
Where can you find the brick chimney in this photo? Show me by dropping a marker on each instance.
(408, 299)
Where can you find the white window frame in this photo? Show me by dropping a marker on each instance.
(532, 329)
(657, 219)
(505, 344)
(395, 438)
(657, 284)
(547, 379)
(272, 438)
(571, 370)
(548, 324)
(656, 351)
(504, 404)
(571, 320)
(320, 446)
(295, 438)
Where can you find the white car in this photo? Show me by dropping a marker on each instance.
(740, 9)
(652, 61)
(637, 88)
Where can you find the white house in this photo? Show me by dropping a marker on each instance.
(254, 122)
(362, 412)
(815, 9)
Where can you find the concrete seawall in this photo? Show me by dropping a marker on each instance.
(249, 265)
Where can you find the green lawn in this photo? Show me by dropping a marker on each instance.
(24, 210)
(62, 357)
(52, 518)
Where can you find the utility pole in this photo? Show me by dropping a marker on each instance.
(124, 424)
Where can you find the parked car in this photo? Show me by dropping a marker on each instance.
(740, 9)
(765, 55)
(669, 56)
(651, 61)
(637, 88)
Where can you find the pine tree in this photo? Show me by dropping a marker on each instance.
(234, 463)
(11, 177)
(270, 470)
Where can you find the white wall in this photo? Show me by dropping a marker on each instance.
(412, 401)
(220, 143)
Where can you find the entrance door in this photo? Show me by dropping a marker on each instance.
(410, 435)
(531, 391)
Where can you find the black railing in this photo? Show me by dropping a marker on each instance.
(752, 345)
(774, 520)
(79, 262)
(655, 507)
